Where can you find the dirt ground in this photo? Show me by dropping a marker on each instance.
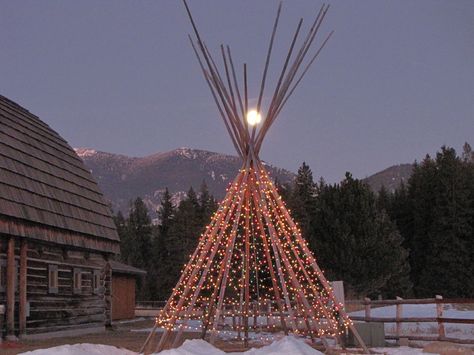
(121, 336)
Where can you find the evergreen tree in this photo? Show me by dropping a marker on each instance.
(136, 244)
(284, 190)
(383, 199)
(125, 242)
(446, 236)
(207, 204)
(301, 200)
(183, 236)
(161, 253)
(467, 153)
(357, 243)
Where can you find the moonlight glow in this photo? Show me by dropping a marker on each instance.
(253, 117)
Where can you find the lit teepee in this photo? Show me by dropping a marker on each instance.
(252, 272)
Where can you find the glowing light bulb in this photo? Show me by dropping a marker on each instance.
(253, 117)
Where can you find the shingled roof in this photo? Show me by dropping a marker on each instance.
(46, 192)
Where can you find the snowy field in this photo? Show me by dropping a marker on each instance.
(453, 330)
(286, 346)
(278, 344)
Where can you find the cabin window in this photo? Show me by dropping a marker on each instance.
(53, 279)
(77, 281)
(3, 275)
(96, 281)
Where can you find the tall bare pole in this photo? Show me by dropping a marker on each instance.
(252, 252)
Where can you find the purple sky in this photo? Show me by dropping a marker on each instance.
(395, 82)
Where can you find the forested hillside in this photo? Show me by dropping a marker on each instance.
(415, 241)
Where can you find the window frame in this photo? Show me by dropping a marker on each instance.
(96, 286)
(53, 279)
(3, 275)
(77, 281)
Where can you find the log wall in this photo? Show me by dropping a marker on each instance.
(64, 307)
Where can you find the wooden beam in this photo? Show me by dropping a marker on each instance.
(11, 289)
(23, 285)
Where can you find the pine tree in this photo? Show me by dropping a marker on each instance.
(448, 267)
(125, 242)
(383, 199)
(161, 254)
(301, 200)
(136, 244)
(183, 235)
(207, 204)
(467, 153)
(357, 243)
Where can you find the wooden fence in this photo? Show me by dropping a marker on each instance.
(150, 308)
(439, 301)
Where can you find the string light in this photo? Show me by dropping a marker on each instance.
(252, 233)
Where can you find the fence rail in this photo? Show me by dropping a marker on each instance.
(439, 301)
(266, 310)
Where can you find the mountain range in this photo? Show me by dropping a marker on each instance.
(123, 178)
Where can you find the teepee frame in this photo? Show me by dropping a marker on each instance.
(252, 252)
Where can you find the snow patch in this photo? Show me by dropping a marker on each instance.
(81, 349)
(186, 152)
(284, 346)
(212, 174)
(454, 330)
(85, 152)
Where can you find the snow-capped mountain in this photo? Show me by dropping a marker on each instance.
(124, 178)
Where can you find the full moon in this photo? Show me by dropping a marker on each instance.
(253, 117)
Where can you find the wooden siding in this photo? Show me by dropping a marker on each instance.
(123, 299)
(65, 309)
(44, 183)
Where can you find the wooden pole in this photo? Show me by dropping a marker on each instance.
(275, 287)
(399, 315)
(312, 260)
(11, 289)
(367, 308)
(23, 285)
(230, 240)
(300, 262)
(439, 315)
(292, 276)
(247, 270)
(197, 267)
(279, 272)
(277, 88)
(224, 270)
(257, 202)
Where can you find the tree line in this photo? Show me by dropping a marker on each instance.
(416, 241)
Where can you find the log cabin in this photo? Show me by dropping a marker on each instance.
(124, 284)
(57, 235)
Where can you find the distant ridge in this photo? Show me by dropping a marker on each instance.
(124, 178)
(391, 177)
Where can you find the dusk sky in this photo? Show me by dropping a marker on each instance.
(396, 81)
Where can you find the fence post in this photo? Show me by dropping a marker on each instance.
(398, 316)
(439, 314)
(234, 322)
(255, 314)
(269, 312)
(367, 309)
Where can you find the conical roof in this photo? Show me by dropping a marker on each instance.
(46, 192)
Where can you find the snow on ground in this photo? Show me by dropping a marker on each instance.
(81, 349)
(281, 345)
(454, 330)
(288, 345)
